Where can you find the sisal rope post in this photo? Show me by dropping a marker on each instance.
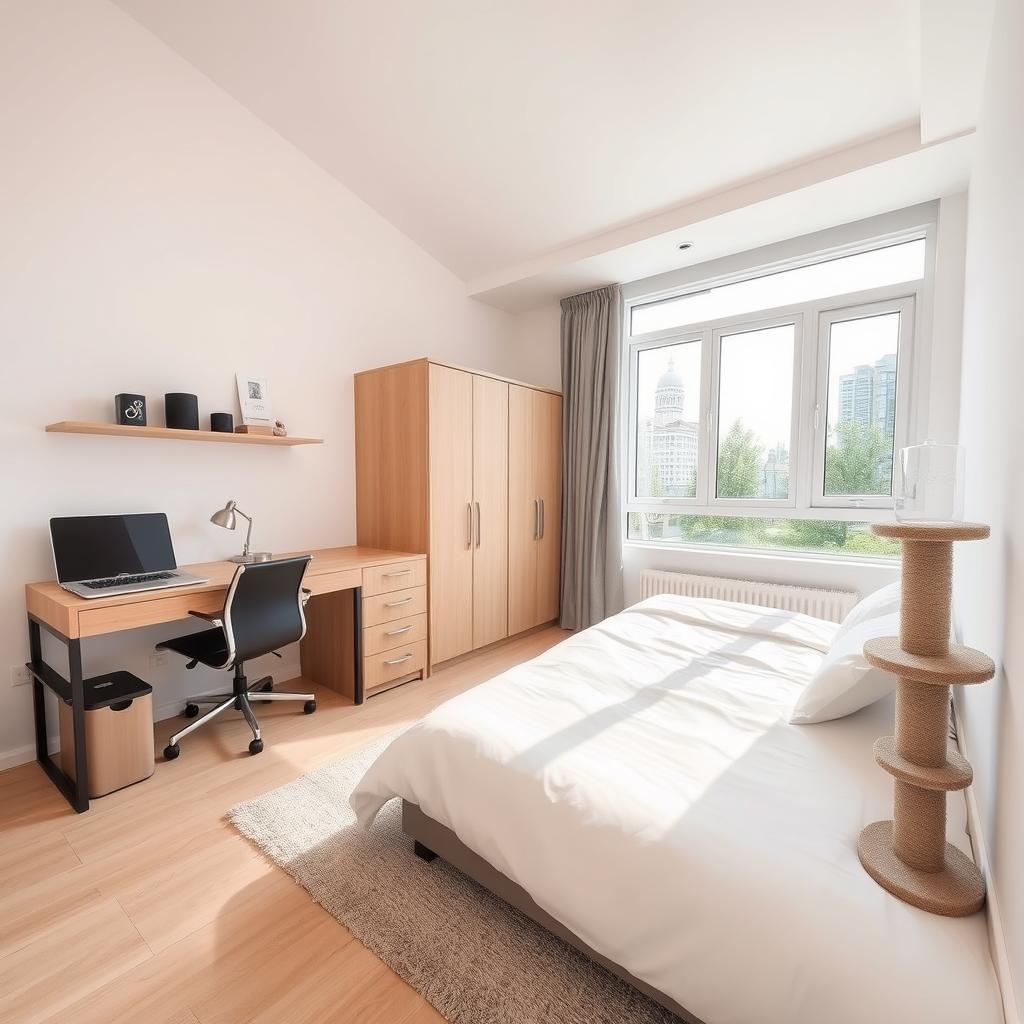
(926, 597)
(909, 855)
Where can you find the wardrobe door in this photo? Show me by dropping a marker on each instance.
(523, 511)
(490, 511)
(451, 513)
(547, 441)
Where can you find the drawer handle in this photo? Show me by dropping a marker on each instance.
(396, 604)
(398, 632)
(399, 572)
(398, 661)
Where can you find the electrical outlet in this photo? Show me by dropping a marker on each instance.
(20, 675)
(158, 659)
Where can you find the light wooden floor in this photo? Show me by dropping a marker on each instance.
(151, 908)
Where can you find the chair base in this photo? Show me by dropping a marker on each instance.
(241, 699)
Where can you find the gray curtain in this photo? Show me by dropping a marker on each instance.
(591, 509)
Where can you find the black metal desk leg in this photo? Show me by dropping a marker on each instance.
(35, 646)
(81, 800)
(357, 642)
(75, 791)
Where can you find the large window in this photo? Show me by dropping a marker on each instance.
(765, 412)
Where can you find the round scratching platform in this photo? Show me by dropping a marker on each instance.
(960, 665)
(942, 533)
(955, 891)
(955, 774)
(909, 856)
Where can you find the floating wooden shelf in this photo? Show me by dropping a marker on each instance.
(121, 430)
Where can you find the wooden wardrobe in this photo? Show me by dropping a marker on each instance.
(466, 467)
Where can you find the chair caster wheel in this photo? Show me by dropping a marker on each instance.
(191, 710)
(171, 752)
(309, 707)
(256, 746)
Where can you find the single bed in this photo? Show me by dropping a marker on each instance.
(639, 790)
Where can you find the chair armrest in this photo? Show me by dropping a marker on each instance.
(216, 618)
(306, 595)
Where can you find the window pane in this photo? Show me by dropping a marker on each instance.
(892, 265)
(747, 532)
(668, 404)
(755, 401)
(861, 421)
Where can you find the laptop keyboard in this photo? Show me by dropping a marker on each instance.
(120, 581)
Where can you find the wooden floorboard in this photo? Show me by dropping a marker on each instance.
(150, 907)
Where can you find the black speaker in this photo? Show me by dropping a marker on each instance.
(222, 422)
(131, 410)
(181, 411)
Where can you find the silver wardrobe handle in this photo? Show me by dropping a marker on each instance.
(398, 632)
(397, 604)
(400, 572)
(477, 523)
(398, 661)
(469, 524)
(542, 519)
(536, 519)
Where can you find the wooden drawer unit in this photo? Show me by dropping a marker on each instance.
(398, 604)
(389, 668)
(388, 635)
(385, 579)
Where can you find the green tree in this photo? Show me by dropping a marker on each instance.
(739, 463)
(858, 460)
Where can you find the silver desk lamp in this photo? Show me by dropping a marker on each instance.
(225, 517)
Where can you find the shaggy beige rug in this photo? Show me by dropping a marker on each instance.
(469, 954)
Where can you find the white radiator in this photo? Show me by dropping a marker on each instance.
(822, 604)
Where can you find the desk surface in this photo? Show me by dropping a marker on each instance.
(72, 616)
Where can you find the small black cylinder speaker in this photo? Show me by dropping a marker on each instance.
(222, 422)
(181, 411)
(131, 410)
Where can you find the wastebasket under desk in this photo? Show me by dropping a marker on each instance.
(118, 732)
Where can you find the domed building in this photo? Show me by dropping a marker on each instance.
(666, 465)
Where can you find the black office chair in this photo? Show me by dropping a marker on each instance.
(263, 611)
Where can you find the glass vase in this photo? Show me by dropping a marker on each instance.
(929, 486)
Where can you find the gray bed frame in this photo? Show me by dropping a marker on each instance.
(434, 839)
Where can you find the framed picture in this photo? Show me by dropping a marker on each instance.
(254, 400)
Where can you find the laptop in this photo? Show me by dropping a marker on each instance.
(103, 556)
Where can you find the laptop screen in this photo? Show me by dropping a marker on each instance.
(95, 547)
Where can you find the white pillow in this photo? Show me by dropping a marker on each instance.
(845, 682)
(882, 602)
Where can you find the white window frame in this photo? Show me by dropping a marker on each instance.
(664, 339)
(810, 395)
(744, 325)
(904, 305)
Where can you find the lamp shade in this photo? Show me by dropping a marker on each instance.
(225, 516)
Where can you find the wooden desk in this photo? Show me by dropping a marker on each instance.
(383, 588)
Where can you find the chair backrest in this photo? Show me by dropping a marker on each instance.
(263, 610)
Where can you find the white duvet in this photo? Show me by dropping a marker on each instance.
(641, 782)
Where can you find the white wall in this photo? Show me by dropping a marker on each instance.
(158, 237)
(990, 574)
(536, 338)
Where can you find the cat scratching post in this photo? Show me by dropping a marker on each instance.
(909, 855)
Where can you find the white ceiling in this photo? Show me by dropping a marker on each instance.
(495, 133)
(890, 173)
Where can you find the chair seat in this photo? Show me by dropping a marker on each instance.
(208, 646)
